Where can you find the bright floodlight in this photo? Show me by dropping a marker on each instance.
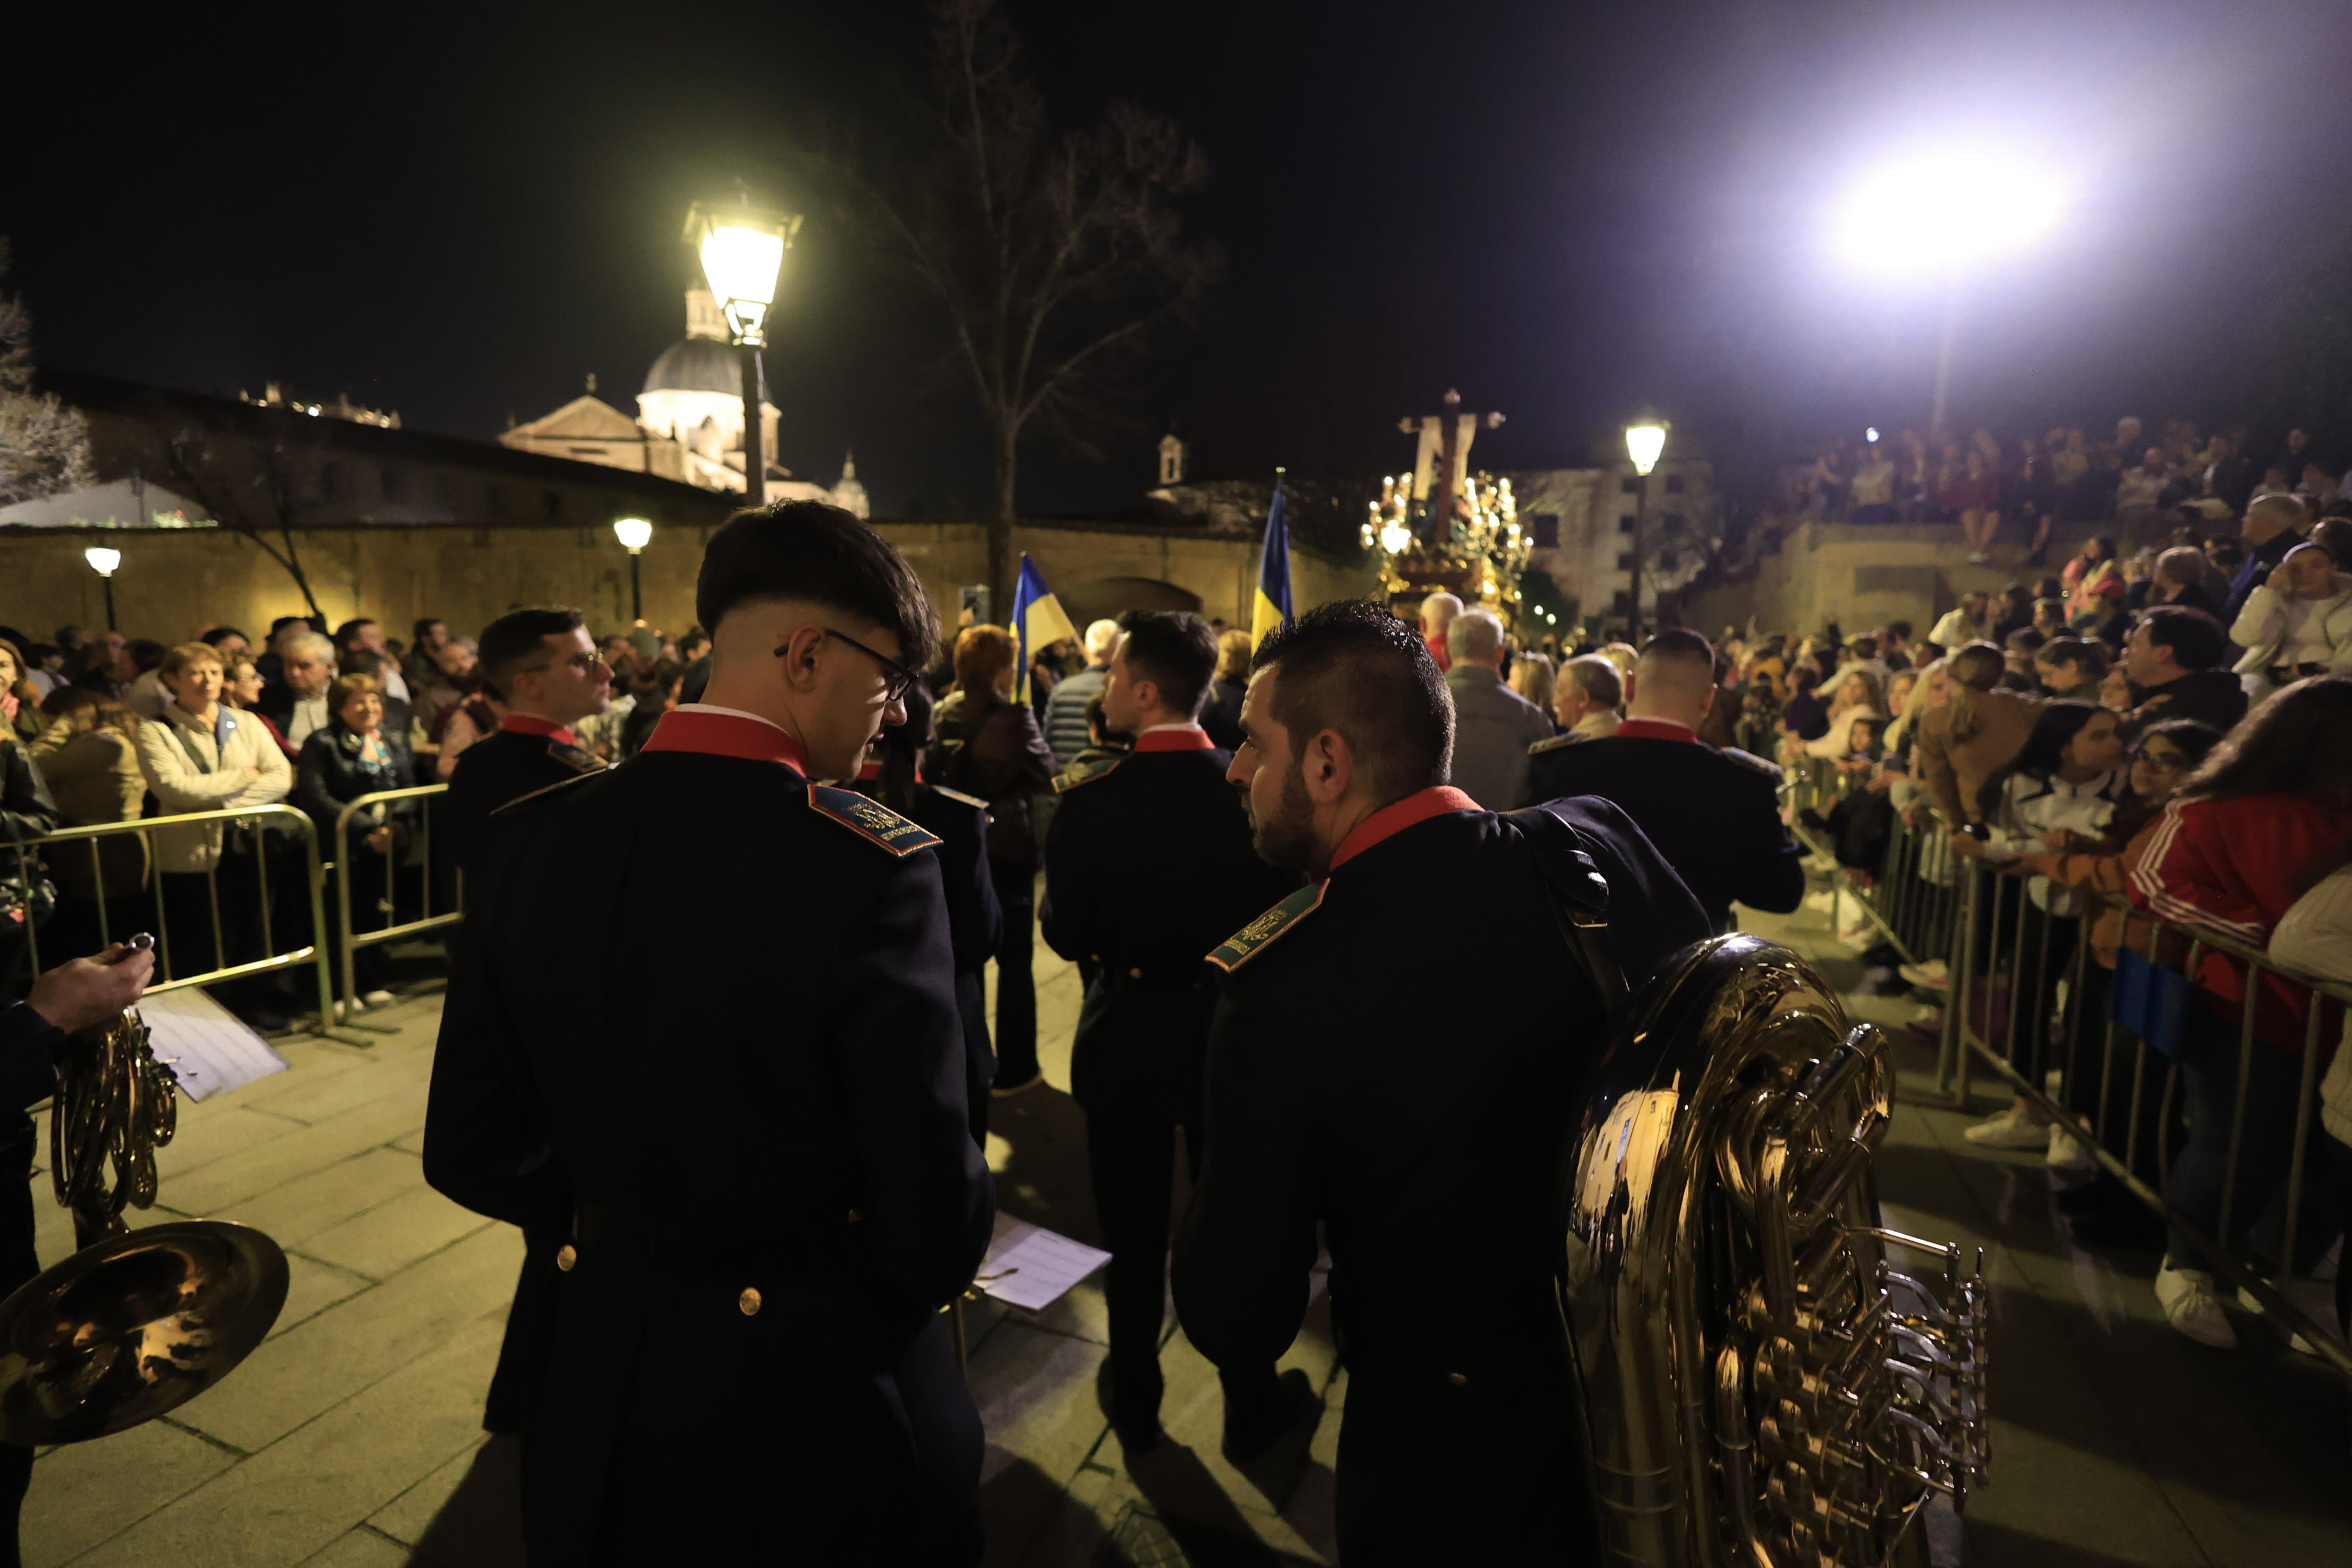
(1943, 212)
(1645, 439)
(634, 532)
(102, 560)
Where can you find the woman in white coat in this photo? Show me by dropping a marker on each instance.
(2299, 623)
(201, 755)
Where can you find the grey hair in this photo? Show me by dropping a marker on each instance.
(1101, 637)
(311, 643)
(1476, 635)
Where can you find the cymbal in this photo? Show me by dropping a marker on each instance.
(133, 1326)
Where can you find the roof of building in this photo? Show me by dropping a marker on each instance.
(588, 418)
(696, 364)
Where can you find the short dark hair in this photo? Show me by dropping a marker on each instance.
(2090, 657)
(1976, 664)
(425, 623)
(1354, 667)
(1173, 650)
(514, 637)
(220, 634)
(1683, 646)
(2196, 638)
(808, 550)
(147, 653)
(1900, 629)
(282, 622)
(350, 628)
(2025, 640)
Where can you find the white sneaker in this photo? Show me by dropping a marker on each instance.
(377, 999)
(2189, 1305)
(2013, 1129)
(1935, 974)
(2066, 1151)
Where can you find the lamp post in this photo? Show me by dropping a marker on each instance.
(634, 533)
(103, 560)
(743, 249)
(1645, 439)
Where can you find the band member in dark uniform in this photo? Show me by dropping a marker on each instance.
(1713, 814)
(756, 1103)
(893, 775)
(545, 665)
(1149, 866)
(81, 994)
(1408, 1084)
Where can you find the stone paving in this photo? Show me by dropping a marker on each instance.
(352, 1437)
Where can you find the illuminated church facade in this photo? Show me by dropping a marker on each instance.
(689, 423)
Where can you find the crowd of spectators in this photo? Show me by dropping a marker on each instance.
(98, 728)
(2147, 482)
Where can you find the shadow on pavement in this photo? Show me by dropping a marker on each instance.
(481, 1524)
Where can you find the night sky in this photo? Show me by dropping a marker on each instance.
(1565, 211)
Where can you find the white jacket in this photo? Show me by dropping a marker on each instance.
(2315, 936)
(2261, 628)
(2030, 807)
(188, 771)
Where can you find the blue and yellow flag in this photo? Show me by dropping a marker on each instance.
(1271, 608)
(1038, 620)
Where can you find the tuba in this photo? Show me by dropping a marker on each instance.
(1770, 1377)
(136, 1322)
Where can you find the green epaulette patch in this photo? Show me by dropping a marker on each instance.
(1085, 773)
(959, 795)
(1554, 742)
(1251, 939)
(870, 820)
(580, 757)
(1770, 770)
(550, 789)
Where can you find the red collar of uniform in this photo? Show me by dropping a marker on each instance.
(727, 735)
(532, 724)
(1397, 815)
(870, 771)
(1175, 737)
(1655, 730)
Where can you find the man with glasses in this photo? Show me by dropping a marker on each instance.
(754, 1109)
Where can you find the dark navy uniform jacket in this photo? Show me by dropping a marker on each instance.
(524, 757)
(1713, 814)
(1396, 1058)
(729, 997)
(1148, 867)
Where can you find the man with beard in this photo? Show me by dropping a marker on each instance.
(1407, 1084)
(1148, 867)
(542, 663)
(753, 1109)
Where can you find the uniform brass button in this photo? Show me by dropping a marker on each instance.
(1456, 1379)
(1134, 974)
(747, 1303)
(566, 1255)
(855, 1215)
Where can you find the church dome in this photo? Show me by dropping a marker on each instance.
(696, 364)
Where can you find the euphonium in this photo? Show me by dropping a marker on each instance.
(138, 1322)
(1770, 1377)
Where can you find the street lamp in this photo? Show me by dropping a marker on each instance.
(103, 560)
(1645, 440)
(1939, 213)
(743, 249)
(634, 533)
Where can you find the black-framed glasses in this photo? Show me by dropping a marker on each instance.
(2161, 761)
(901, 679)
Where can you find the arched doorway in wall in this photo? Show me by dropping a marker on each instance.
(1108, 598)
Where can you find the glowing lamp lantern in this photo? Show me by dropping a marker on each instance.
(1645, 441)
(634, 533)
(103, 560)
(741, 249)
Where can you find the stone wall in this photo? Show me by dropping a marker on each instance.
(172, 582)
(1863, 576)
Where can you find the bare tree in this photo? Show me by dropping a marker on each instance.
(249, 479)
(44, 445)
(1058, 256)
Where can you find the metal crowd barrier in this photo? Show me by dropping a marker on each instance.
(419, 857)
(172, 971)
(2004, 1010)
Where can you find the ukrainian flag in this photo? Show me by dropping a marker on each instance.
(1272, 606)
(1038, 621)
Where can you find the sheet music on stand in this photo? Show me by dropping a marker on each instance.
(208, 1048)
(1030, 1267)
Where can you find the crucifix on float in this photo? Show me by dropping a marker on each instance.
(1443, 461)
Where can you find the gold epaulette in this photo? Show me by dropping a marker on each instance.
(1085, 773)
(1554, 742)
(870, 820)
(1252, 938)
(1770, 770)
(959, 795)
